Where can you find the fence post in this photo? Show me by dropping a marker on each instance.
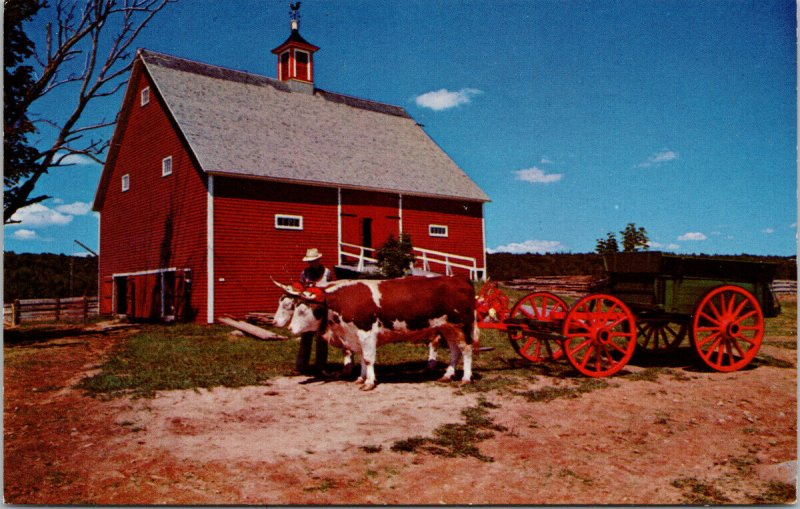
(58, 309)
(16, 319)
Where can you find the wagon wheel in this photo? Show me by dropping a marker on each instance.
(542, 307)
(660, 335)
(599, 335)
(727, 328)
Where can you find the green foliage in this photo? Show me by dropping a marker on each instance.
(507, 266)
(33, 276)
(395, 256)
(607, 245)
(19, 155)
(633, 239)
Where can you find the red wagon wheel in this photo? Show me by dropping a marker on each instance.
(727, 328)
(660, 335)
(599, 335)
(541, 307)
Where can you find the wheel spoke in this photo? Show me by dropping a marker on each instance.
(710, 350)
(738, 347)
(716, 312)
(704, 341)
(712, 320)
(586, 356)
(745, 316)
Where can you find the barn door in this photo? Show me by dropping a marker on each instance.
(107, 295)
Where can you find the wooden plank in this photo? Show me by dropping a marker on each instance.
(250, 329)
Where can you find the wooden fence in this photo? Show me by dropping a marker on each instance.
(53, 310)
(784, 286)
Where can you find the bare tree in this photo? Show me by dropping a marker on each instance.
(87, 50)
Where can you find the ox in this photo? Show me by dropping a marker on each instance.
(360, 315)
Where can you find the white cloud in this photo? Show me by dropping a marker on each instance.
(537, 176)
(793, 225)
(444, 99)
(23, 234)
(77, 208)
(76, 159)
(659, 245)
(692, 236)
(768, 230)
(40, 215)
(529, 246)
(545, 161)
(658, 158)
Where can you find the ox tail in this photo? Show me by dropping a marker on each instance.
(475, 335)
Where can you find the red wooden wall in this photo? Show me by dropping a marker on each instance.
(249, 250)
(161, 221)
(462, 218)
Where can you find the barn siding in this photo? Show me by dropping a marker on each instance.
(161, 221)
(462, 218)
(249, 250)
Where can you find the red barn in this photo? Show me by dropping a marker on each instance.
(217, 180)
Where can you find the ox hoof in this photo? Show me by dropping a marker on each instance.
(360, 380)
(367, 387)
(465, 382)
(445, 380)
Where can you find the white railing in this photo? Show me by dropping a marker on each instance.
(429, 256)
(361, 257)
(426, 256)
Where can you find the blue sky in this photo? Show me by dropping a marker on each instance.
(575, 117)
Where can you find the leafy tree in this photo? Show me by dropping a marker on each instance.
(634, 238)
(18, 78)
(395, 256)
(76, 33)
(607, 245)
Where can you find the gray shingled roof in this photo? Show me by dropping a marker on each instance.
(243, 124)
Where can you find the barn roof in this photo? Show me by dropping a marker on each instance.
(244, 124)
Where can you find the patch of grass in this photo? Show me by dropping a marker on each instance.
(788, 345)
(776, 492)
(371, 449)
(579, 387)
(326, 485)
(652, 374)
(768, 360)
(696, 492)
(566, 473)
(451, 440)
(188, 356)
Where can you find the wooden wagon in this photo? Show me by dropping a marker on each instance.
(653, 300)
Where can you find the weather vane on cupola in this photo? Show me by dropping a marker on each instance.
(294, 14)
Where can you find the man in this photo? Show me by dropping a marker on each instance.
(315, 274)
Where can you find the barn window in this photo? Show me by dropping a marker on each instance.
(166, 166)
(437, 230)
(284, 222)
(126, 182)
(145, 96)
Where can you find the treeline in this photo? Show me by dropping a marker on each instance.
(505, 266)
(46, 275)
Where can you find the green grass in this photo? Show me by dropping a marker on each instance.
(451, 440)
(189, 357)
(696, 492)
(776, 492)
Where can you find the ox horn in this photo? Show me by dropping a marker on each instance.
(286, 288)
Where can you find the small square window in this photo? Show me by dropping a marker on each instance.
(145, 96)
(126, 182)
(284, 222)
(166, 166)
(437, 230)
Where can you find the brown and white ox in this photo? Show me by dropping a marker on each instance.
(360, 315)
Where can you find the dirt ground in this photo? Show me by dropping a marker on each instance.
(690, 436)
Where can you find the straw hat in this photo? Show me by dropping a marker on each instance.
(312, 254)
